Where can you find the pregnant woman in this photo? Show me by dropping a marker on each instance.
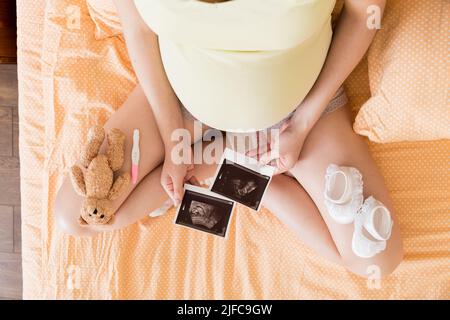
(245, 66)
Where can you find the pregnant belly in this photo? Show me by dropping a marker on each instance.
(242, 91)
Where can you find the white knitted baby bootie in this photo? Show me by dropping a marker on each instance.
(374, 218)
(343, 193)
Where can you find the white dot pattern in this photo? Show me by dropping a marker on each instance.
(409, 69)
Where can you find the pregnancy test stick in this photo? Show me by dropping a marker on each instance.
(135, 154)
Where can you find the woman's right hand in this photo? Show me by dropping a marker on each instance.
(174, 176)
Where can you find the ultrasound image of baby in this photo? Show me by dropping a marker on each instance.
(243, 188)
(203, 214)
(203, 210)
(240, 184)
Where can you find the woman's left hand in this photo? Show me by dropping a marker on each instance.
(282, 153)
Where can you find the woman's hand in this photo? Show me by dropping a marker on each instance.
(173, 177)
(282, 152)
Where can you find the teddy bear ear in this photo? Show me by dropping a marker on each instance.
(81, 221)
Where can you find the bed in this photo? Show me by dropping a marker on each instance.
(69, 80)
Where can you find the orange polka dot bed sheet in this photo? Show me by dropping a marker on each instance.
(68, 81)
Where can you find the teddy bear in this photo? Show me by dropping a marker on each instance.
(94, 177)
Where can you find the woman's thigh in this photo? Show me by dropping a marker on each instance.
(332, 140)
(135, 113)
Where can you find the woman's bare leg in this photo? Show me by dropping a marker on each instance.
(134, 113)
(287, 200)
(332, 140)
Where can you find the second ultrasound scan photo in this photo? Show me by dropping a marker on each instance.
(200, 209)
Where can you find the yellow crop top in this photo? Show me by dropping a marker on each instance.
(241, 65)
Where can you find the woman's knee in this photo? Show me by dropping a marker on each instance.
(381, 265)
(385, 257)
(374, 269)
(66, 212)
(66, 222)
(362, 220)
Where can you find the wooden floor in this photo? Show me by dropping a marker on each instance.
(10, 243)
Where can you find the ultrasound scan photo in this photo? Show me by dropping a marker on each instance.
(240, 184)
(204, 211)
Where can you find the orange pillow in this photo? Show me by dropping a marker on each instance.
(409, 72)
